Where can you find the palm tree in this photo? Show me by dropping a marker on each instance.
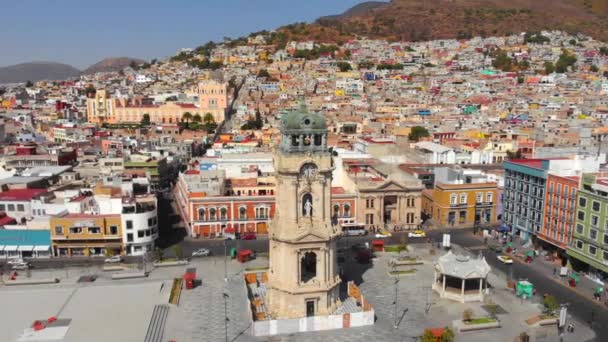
(208, 118)
(187, 117)
(197, 118)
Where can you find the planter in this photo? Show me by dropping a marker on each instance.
(31, 281)
(403, 273)
(130, 275)
(171, 263)
(462, 326)
(113, 268)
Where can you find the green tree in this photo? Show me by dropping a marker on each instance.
(427, 336)
(418, 132)
(179, 253)
(594, 68)
(197, 118)
(549, 67)
(29, 84)
(344, 66)
(145, 120)
(264, 73)
(467, 315)
(186, 117)
(514, 155)
(565, 61)
(366, 65)
(208, 118)
(604, 50)
(448, 335)
(550, 304)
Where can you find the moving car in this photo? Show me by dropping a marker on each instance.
(114, 259)
(201, 252)
(417, 233)
(505, 259)
(21, 266)
(15, 261)
(383, 234)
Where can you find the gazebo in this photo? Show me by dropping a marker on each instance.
(461, 278)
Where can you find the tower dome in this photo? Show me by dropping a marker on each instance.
(303, 131)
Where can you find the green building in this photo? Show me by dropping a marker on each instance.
(589, 247)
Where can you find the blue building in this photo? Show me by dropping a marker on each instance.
(25, 243)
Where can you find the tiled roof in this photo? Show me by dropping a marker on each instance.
(20, 194)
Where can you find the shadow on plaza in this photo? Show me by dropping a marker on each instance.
(353, 268)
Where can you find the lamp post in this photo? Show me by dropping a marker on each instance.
(226, 319)
(225, 262)
(395, 302)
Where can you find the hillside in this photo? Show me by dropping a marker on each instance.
(36, 71)
(417, 20)
(361, 8)
(112, 64)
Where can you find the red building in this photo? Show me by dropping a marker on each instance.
(559, 211)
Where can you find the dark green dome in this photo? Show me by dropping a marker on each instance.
(302, 121)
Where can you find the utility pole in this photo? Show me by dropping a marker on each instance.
(395, 302)
(225, 262)
(226, 319)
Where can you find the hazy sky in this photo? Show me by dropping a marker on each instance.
(83, 32)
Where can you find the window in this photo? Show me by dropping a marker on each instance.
(11, 207)
(113, 230)
(593, 234)
(202, 214)
(479, 197)
(462, 217)
(20, 207)
(242, 213)
(346, 210)
(150, 222)
(605, 239)
(129, 224)
(75, 230)
(581, 215)
(262, 212)
(58, 230)
(592, 250)
(369, 203)
(336, 210)
(94, 230)
(140, 234)
(130, 237)
(595, 205)
(579, 228)
(582, 202)
(579, 244)
(463, 198)
(453, 199)
(2, 207)
(212, 214)
(489, 197)
(409, 218)
(369, 219)
(223, 213)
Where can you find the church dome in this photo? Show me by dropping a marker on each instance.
(303, 121)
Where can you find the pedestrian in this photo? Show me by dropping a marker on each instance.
(554, 271)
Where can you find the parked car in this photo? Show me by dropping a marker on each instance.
(505, 259)
(383, 234)
(417, 233)
(15, 261)
(249, 236)
(201, 252)
(21, 266)
(114, 259)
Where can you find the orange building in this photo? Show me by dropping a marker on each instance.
(559, 211)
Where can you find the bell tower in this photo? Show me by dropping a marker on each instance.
(302, 279)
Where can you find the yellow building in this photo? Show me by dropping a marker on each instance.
(86, 235)
(461, 205)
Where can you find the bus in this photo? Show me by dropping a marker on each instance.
(353, 229)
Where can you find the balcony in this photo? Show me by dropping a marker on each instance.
(484, 204)
(459, 205)
(262, 217)
(138, 209)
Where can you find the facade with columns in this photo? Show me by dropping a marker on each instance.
(303, 276)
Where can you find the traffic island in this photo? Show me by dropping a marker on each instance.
(31, 281)
(171, 263)
(478, 323)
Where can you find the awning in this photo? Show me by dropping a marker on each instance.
(26, 248)
(504, 228)
(42, 248)
(10, 248)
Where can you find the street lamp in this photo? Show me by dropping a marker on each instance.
(226, 319)
(395, 302)
(225, 262)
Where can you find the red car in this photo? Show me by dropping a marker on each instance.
(248, 237)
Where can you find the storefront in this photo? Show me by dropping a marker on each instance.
(25, 243)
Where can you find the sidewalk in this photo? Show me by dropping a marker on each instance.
(586, 287)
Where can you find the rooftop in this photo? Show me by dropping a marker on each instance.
(20, 194)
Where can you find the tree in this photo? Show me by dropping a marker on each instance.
(29, 84)
(604, 50)
(187, 116)
(418, 132)
(550, 304)
(258, 120)
(197, 118)
(428, 336)
(208, 118)
(145, 120)
(448, 335)
(467, 315)
(344, 66)
(549, 68)
(514, 155)
(179, 253)
(264, 73)
(565, 61)
(133, 65)
(594, 68)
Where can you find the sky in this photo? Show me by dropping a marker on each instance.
(81, 33)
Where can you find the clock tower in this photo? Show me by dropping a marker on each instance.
(302, 279)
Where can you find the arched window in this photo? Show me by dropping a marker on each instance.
(336, 210)
(308, 267)
(243, 213)
(294, 140)
(346, 210)
(307, 204)
(212, 214)
(223, 213)
(202, 213)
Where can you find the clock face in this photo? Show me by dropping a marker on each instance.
(309, 170)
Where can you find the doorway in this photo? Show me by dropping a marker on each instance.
(310, 308)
